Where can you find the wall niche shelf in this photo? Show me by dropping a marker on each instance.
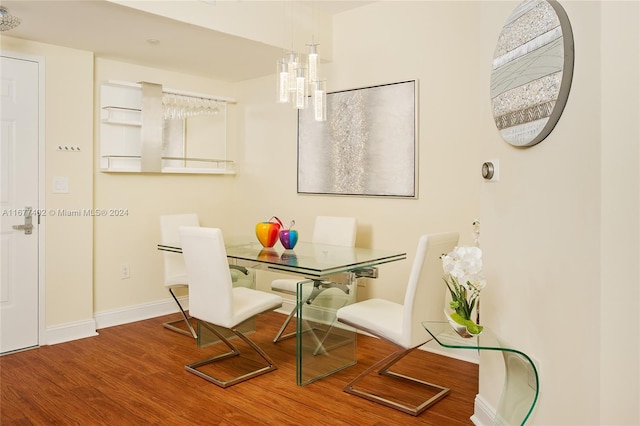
(145, 128)
(122, 116)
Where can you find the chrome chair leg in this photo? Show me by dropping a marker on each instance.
(383, 367)
(193, 367)
(171, 325)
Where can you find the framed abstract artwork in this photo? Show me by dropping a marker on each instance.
(532, 72)
(367, 145)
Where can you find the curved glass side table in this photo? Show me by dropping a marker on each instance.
(520, 391)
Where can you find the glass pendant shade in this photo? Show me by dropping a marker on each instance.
(298, 82)
(319, 100)
(300, 99)
(313, 63)
(293, 64)
(282, 74)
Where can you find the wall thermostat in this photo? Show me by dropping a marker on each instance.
(487, 170)
(490, 171)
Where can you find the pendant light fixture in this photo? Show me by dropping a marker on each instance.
(297, 80)
(312, 58)
(319, 100)
(283, 81)
(300, 99)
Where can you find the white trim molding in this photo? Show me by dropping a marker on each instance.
(70, 331)
(139, 312)
(483, 412)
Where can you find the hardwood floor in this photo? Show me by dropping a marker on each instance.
(134, 375)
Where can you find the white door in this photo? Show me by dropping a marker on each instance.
(19, 145)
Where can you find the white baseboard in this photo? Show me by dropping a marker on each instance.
(483, 413)
(81, 329)
(138, 312)
(88, 328)
(70, 331)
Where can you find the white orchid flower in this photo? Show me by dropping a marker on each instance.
(464, 278)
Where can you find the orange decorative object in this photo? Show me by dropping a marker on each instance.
(267, 232)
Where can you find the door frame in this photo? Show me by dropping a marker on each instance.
(40, 60)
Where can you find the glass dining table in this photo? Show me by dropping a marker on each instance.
(328, 280)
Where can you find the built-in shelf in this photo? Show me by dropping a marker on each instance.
(122, 116)
(147, 128)
(129, 164)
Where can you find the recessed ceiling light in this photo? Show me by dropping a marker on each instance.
(153, 41)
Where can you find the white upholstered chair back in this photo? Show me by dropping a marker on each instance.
(335, 230)
(426, 272)
(210, 287)
(173, 263)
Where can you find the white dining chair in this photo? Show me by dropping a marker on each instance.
(401, 324)
(175, 273)
(331, 230)
(215, 302)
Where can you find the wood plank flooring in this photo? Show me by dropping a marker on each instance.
(134, 375)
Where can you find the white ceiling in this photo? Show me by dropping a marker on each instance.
(117, 32)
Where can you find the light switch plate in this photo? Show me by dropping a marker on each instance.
(60, 185)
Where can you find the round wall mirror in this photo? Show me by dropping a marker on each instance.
(531, 72)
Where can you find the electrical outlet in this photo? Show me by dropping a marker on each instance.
(125, 271)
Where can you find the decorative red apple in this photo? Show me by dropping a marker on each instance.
(289, 237)
(267, 232)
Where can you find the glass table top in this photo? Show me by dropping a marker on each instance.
(308, 259)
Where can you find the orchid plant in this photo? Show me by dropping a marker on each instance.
(464, 279)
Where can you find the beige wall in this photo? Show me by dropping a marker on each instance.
(559, 231)
(68, 121)
(620, 210)
(132, 239)
(541, 235)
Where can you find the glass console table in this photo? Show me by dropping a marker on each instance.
(520, 391)
(328, 277)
